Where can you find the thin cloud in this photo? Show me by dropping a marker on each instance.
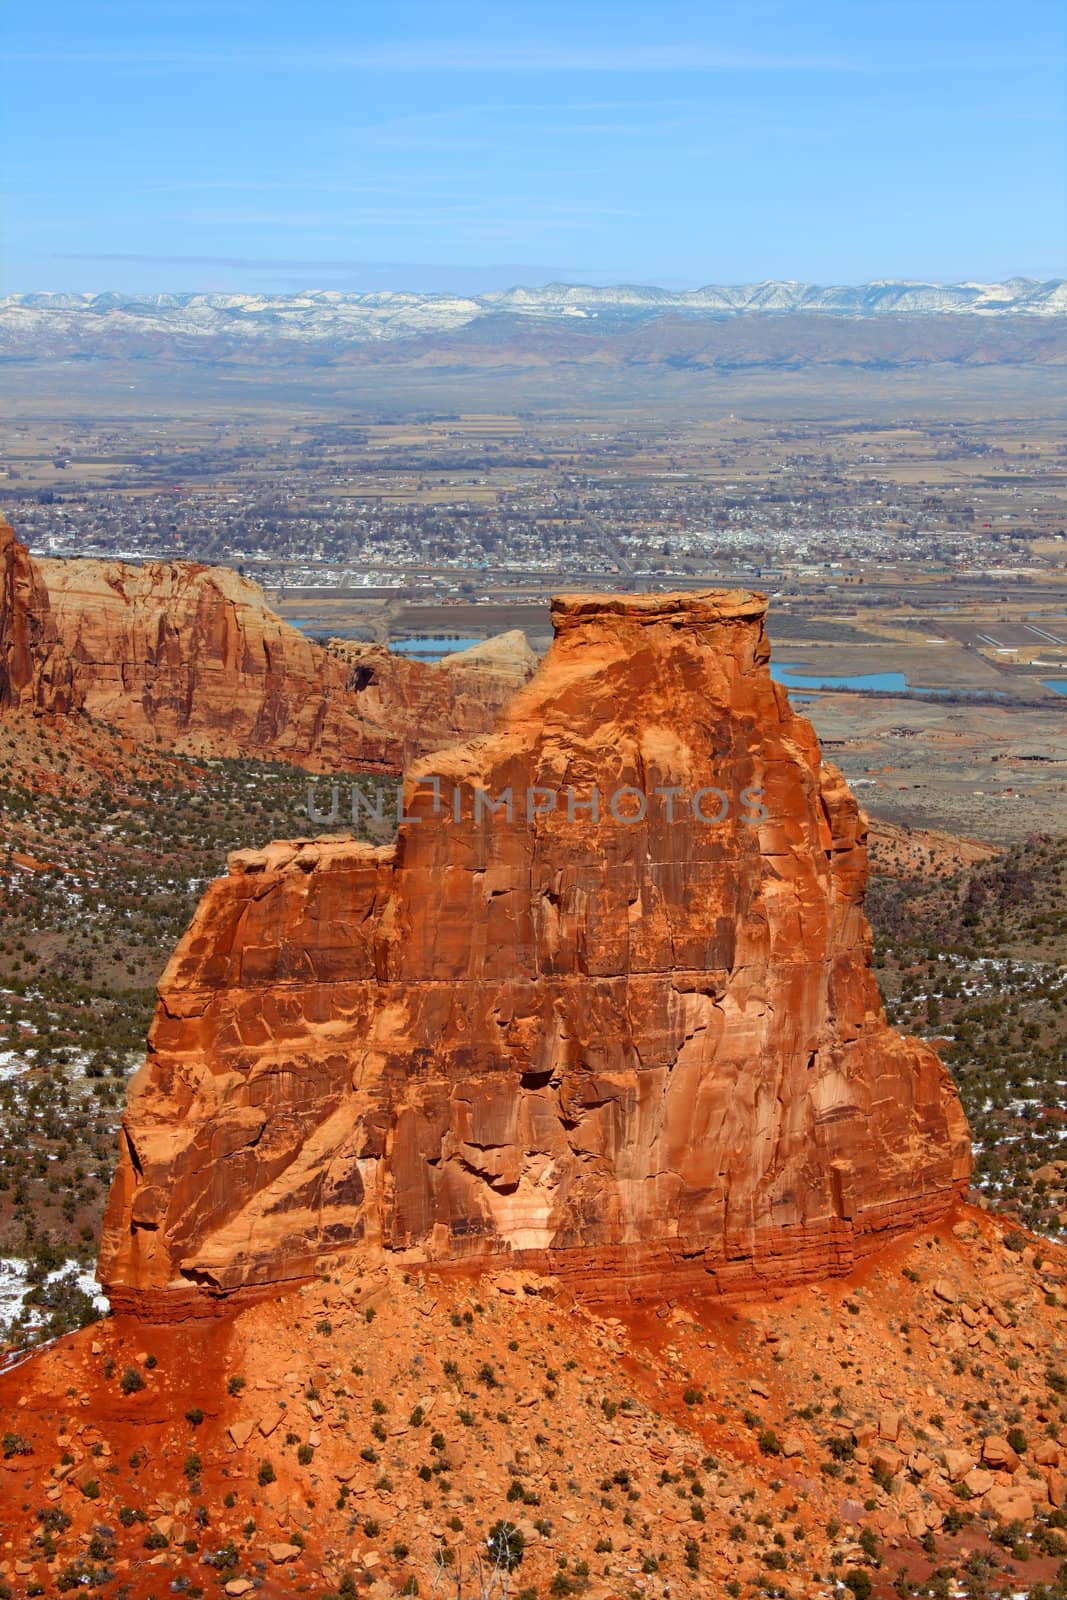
(446, 57)
(286, 263)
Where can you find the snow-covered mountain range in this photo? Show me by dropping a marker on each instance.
(43, 324)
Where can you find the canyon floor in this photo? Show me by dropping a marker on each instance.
(369, 1431)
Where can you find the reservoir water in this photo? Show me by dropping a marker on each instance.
(887, 682)
(884, 682)
(430, 648)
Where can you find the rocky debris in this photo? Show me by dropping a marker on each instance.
(36, 674)
(905, 852)
(623, 1028)
(192, 657)
(610, 1437)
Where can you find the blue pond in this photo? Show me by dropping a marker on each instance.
(887, 682)
(1057, 684)
(430, 647)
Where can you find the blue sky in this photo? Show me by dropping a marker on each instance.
(175, 144)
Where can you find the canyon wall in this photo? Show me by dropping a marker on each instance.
(641, 1050)
(35, 673)
(193, 658)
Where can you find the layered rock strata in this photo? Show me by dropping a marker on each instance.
(193, 658)
(35, 673)
(625, 1029)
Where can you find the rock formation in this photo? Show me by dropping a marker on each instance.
(641, 1050)
(35, 673)
(507, 655)
(192, 657)
(428, 706)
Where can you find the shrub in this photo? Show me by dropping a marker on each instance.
(266, 1474)
(506, 1545)
(131, 1381)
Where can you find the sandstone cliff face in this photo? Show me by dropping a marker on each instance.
(428, 706)
(35, 673)
(193, 657)
(640, 1052)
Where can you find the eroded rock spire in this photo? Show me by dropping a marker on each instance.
(642, 1047)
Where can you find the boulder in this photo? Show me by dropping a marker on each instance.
(998, 1454)
(957, 1463)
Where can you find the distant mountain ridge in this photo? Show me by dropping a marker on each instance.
(324, 322)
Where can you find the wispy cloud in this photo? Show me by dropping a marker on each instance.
(273, 274)
(288, 263)
(447, 56)
(466, 126)
(539, 210)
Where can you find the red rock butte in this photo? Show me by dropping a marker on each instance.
(640, 1054)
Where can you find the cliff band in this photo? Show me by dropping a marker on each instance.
(193, 658)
